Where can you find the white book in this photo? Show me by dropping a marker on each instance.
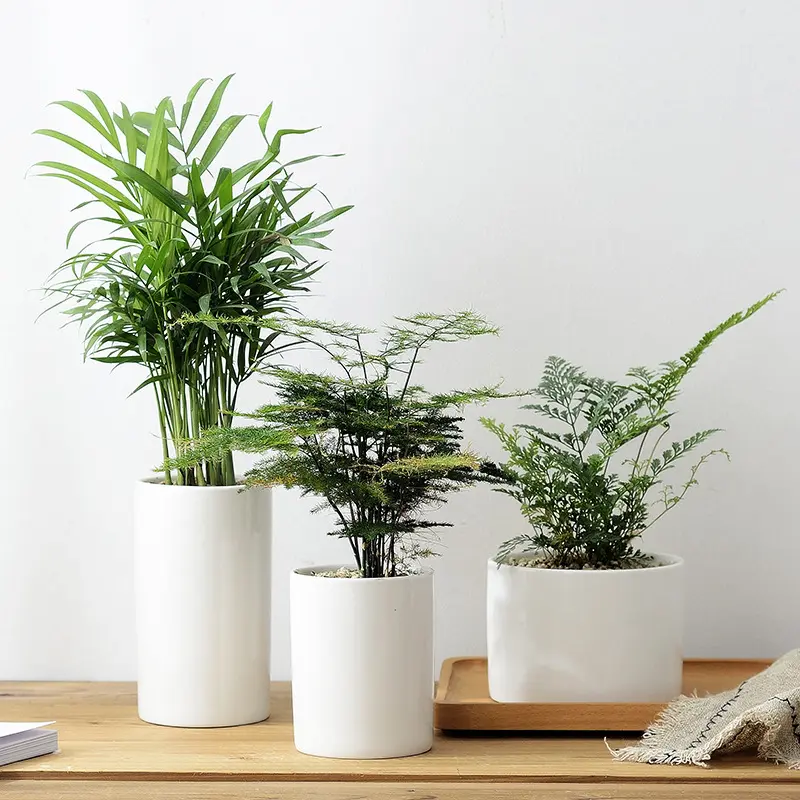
(21, 740)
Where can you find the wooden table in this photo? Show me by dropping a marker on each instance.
(106, 752)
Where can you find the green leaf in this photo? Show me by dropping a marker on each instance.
(151, 185)
(255, 168)
(125, 124)
(77, 225)
(224, 190)
(314, 157)
(209, 114)
(146, 120)
(151, 380)
(142, 341)
(199, 199)
(327, 217)
(92, 179)
(103, 198)
(244, 171)
(118, 359)
(275, 144)
(187, 106)
(87, 116)
(154, 155)
(263, 120)
(105, 116)
(72, 142)
(171, 113)
(220, 137)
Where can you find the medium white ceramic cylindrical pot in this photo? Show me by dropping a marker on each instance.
(362, 664)
(563, 636)
(202, 584)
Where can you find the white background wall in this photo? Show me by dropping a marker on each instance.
(605, 180)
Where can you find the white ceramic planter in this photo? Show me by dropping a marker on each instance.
(563, 636)
(202, 567)
(362, 664)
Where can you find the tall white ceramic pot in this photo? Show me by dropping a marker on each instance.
(202, 582)
(563, 636)
(362, 664)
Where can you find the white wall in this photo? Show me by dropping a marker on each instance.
(606, 180)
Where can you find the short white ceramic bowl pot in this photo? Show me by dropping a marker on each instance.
(564, 636)
(202, 587)
(362, 664)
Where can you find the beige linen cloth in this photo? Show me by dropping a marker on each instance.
(762, 713)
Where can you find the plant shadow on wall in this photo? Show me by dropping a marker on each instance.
(184, 237)
(375, 446)
(585, 487)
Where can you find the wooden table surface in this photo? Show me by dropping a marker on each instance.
(107, 752)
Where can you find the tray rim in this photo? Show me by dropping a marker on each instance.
(616, 712)
(449, 663)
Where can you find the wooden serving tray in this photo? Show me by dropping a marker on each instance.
(462, 700)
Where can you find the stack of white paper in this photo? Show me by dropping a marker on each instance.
(21, 740)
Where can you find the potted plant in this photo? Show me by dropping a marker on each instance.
(183, 235)
(576, 611)
(378, 450)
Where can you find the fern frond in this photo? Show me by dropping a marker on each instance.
(584, 487)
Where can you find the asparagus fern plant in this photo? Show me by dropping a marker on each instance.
(585, 485)
(182, 236)
(376, 448)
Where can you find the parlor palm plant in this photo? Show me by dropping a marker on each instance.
(186, 236)
(183, 234)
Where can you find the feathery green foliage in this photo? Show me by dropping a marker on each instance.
(183, 236)
(584, 513)
(375, 447)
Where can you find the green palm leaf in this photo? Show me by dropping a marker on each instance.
(183, 240)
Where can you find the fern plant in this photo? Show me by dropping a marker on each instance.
(585, 486)
(183, 235)
(378, 449)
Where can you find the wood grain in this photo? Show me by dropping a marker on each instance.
(228, 790)
(463, 702)
(219, 790)
(102, 740)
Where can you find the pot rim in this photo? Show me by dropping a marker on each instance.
(158, 483)
(304, 572)
(673, 562)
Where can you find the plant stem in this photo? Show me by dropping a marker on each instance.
(163, 428)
